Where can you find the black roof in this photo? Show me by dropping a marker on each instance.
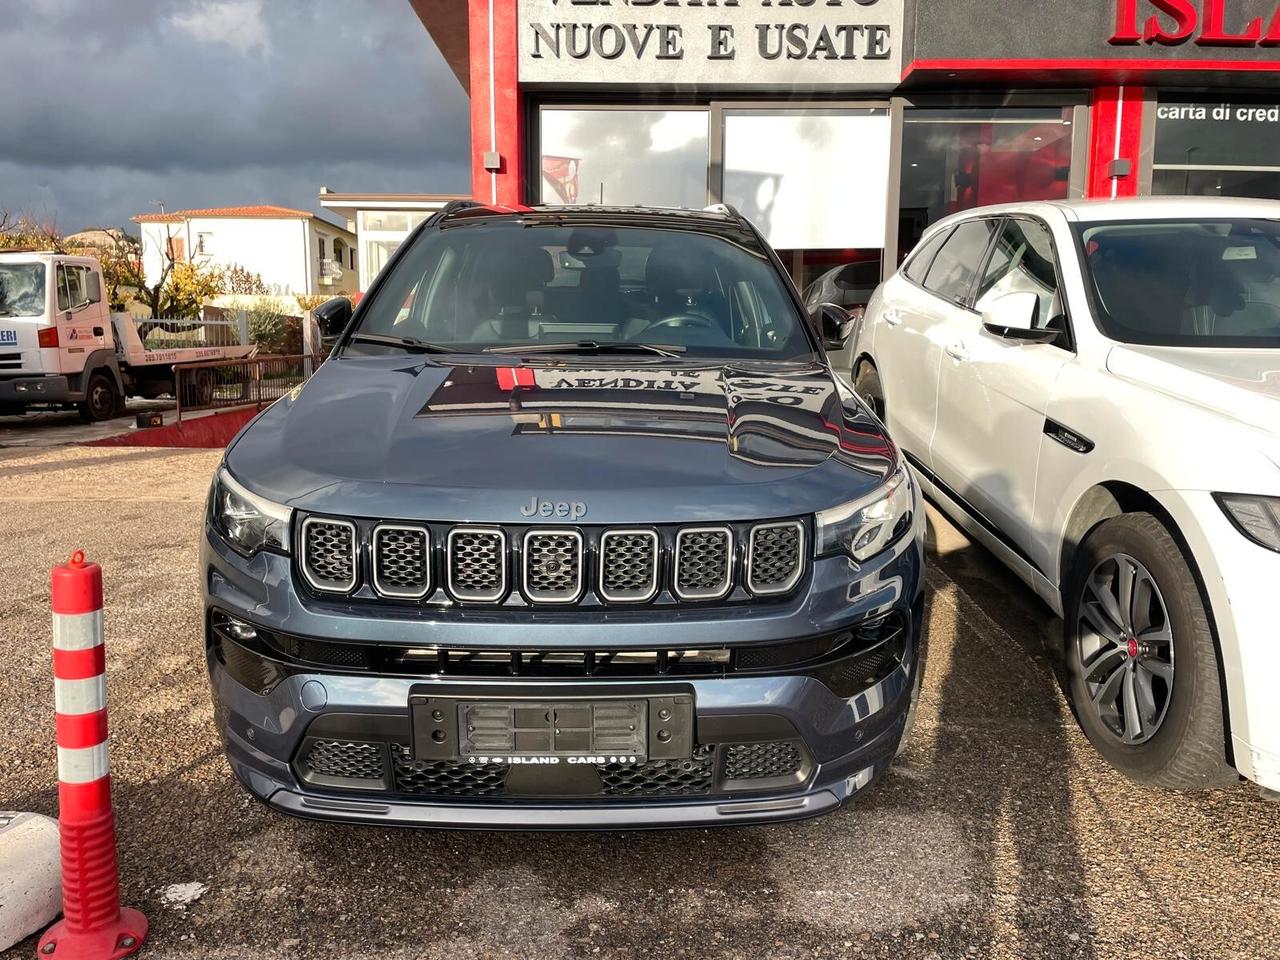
(723, 221)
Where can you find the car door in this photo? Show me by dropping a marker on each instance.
(920, 313)
(82, 318)
(990, 428)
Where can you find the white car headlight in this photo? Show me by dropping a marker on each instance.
(1258, 518)
(862, 528)
(246, 521)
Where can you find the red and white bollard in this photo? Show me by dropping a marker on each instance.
(93, 925)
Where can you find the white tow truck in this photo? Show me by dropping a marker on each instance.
(60, 345)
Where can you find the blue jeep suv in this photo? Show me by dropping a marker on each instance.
(575, 528)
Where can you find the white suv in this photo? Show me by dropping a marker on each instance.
(1092, 390)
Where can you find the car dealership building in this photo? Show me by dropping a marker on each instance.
(844, 127)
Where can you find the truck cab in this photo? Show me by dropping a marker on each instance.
(56, 341)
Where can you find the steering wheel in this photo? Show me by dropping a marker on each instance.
(687, 320)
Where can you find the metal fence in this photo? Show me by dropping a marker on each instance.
(223, 384)
(166, 334)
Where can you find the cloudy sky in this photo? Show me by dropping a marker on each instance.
(120, 103)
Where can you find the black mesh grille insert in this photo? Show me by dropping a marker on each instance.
(702, 563)
(661, 778)
(444, 778)
(553, 566)
(344, 758)
(329, 554)
(762, 761)
(401, 561)
(775, 558)
(628, 567)
(477, 564)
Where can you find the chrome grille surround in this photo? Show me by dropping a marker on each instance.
(704, 563)
(402, 560)
(551, 565)
(329, 560)
(623, 564)
(476, 563)
(775, 557)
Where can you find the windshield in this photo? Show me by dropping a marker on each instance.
(510, 285)
(21, 289)
(1195, 283)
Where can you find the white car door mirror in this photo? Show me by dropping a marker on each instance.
(1014, 317)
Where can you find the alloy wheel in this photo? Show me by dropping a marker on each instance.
(1124, 646)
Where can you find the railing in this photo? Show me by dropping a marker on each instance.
(223, 384)
(331, 269)
(162, 334)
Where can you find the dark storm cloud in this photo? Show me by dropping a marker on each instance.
(208, 102)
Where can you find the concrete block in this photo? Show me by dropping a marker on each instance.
(30, 875)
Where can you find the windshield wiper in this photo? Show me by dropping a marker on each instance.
(593, 346)
(407, 343)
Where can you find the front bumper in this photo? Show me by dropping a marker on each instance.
(33, 390)
(843, 732)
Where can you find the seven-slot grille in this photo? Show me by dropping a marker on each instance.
(401, 561)
(552, 565)
(628, 565)
(329, 554)
(477, 564)
(775, 557)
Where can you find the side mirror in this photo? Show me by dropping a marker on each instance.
(333, 317)
(1014, 317)
(835, 323)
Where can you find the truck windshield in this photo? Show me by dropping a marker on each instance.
(1193, 283)
(506, 285)
(21, 289)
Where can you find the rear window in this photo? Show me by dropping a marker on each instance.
(922, 259)
(507, 284)
(21, 289)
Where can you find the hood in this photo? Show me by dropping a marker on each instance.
(636, 442)
(1241, 384)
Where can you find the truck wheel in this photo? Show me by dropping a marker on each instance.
(101, 398)
(1141, 659)
(867, 385)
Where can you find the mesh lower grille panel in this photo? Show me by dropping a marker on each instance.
(762, 761)
(345, 758)
(443, 778)
(661, 778)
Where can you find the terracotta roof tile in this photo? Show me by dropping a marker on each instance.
(264, 211)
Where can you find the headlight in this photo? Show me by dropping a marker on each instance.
(245, 520)
(863, 528)
(1258, 518)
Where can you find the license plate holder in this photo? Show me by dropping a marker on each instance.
(582, 730)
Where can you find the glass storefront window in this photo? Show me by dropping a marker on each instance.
(811, 179)
(954, 160)
(623, 157)
(1217, 150)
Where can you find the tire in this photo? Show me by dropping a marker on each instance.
(867, 386)
(1142, 663)
(101, 398)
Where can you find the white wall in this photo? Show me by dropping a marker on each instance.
(284, 252)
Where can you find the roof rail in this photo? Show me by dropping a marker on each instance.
(453, 206)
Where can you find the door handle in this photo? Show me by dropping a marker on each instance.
(892, 317)
(956, 351)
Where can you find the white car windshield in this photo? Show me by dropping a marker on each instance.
(1201, 283)
(21, 289)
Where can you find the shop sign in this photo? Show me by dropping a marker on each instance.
(1208, 23)
(712, 43)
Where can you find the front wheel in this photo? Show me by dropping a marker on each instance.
(867, 386)
(102, 399)
(1141, 659)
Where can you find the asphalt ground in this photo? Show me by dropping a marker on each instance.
(999, 833)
